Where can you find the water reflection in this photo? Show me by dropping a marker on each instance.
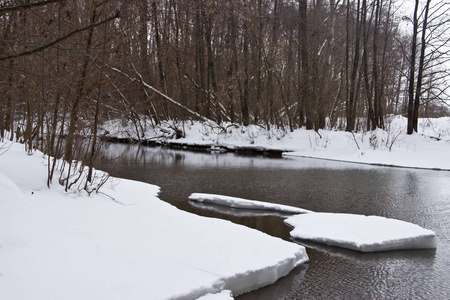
(418, 196)
(237, 212)
(164, 156)
(375, 256)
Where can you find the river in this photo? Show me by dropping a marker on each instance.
(418, 196)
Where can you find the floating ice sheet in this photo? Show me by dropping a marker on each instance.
(361, 233)
(246, 204)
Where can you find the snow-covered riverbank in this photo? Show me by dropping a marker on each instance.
(123, 244)
(127, 243)
(392, 147)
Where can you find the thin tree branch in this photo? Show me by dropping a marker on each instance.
(163, 95)
(43, 47)
(27, 5)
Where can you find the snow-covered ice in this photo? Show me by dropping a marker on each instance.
(356, 232)
(57, 245)
(237, 212)
(246, 204)
(224, 295)
(361, 233)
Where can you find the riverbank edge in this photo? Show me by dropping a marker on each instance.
(375, 164)
(250, 150)
(202, 147)
(390, 147)
(33, 196)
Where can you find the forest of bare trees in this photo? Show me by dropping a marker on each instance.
(67, 66)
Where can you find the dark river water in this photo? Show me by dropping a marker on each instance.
(418, 196)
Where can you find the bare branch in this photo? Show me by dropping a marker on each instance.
(43, 47)
(27, 5)
(163, 95)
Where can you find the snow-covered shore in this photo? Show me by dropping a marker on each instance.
(391, 147)
(55, 245)
(130, 244)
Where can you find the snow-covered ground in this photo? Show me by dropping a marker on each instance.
(393, 147)
(123, 244)
(126, 243)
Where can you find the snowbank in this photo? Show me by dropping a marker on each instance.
(55, 245)
(376, 148)
(245, 204)
(361, 233)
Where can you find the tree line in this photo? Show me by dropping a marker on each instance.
(67, 66)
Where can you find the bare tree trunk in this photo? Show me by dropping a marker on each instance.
(92, 153)
(376, 117)
(259, 48)
(68, 155)
(201, 100)
(211, 73)
(421, 69)
(412, 70)
(270, 65)
(244, 96)
(232, 66)
(305, 71)
(367, 83)
(180, 71)
(351, 106)
(162, 81)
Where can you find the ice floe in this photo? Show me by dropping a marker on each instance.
(361, 233)
(246, 204)
(351, 231)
